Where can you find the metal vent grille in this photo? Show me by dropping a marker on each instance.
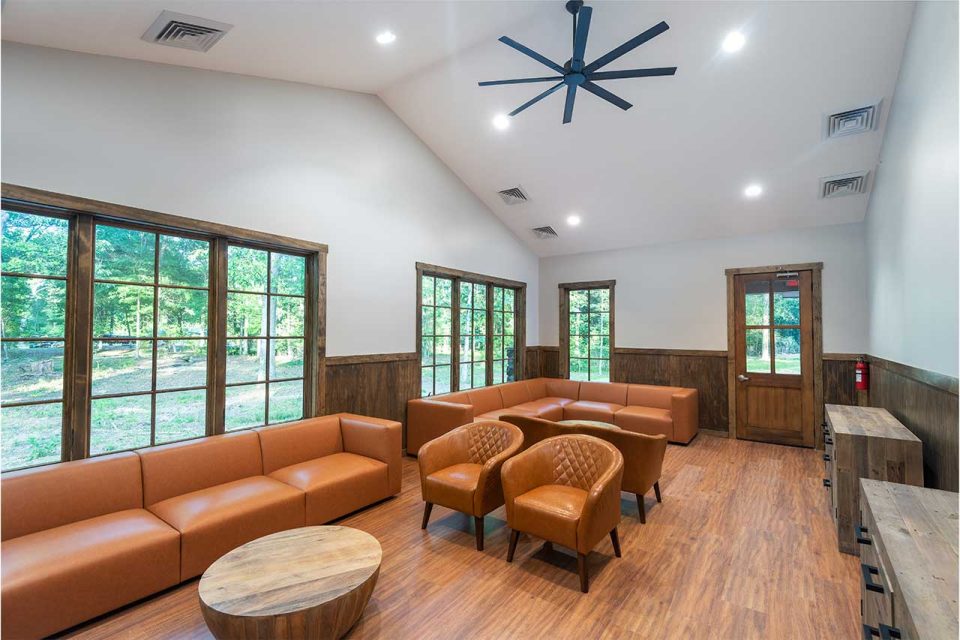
(852, 121)
(515, 195)
(185, 32)
(848, 184)
(544, 233)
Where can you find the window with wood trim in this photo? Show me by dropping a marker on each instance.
(484, 345)
(586, 330)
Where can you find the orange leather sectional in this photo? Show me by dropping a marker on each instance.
(642, 408)
(82, 538)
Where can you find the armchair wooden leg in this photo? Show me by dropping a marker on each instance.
(427, 508)
(643, 513)
(656, 488)
(478, 526)
(582, 568)
(514, 536)
(615, 539)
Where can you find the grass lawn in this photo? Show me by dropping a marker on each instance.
(784, 364)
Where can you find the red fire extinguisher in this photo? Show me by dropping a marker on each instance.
(862, 376)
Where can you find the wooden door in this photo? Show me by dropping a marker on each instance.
(774, 357)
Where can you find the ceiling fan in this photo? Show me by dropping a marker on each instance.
(574, 73)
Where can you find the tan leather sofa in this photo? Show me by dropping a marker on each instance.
(641, 408)
(82, 538)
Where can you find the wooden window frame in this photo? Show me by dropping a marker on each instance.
(456, 276)
(83, 215)
(565, 289)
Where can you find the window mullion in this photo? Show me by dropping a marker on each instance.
(454, 335)
(216, 340)
(80, 338)
(488, 352)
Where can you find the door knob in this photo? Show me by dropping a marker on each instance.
(743, 378)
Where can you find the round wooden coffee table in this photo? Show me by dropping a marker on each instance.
(589, 423)
(312, 582)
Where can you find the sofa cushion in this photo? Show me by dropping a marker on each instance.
(62, 576)
(613, 392)
(546, 408)
(175, 469)
(648, 420)
(337, 484)
(647, 395)
(289, 444)
(514, 393)
(484, 400)
(55, 495)
(217, 519)
(550, 511)
(557, 388)
(497, 413)
(589, 410)
(454, 486)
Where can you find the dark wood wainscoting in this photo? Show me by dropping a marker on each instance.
(926, 403)
(839, 380)
(542, 362)
(705, 371)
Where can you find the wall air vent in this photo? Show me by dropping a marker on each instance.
(848, 184)
(516, 195)
(185, 32)
(544, 233)
(852, 121)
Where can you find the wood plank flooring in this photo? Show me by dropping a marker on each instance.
(743, 546)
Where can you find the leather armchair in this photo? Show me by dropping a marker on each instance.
(461, 470)
(565, 490)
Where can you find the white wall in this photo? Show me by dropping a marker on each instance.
(324, 165)
(674, 296)
(912, 217)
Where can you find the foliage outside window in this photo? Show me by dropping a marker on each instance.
(473, 335)
(436, 335)
(504, 336)
(589, 327)
(772, 326)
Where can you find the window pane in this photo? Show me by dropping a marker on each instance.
(466, 294)
(30, 435)
(578, 301)
(426, 381)
(466, 322)
(508, 328)
(466, 376)
(479, 296)
(245, 314)
(426, 290)
(122, 367)
(479, 348)
(246, 269)
(509, 365)
(508, 297)
(246, 360)
(508, 347)
(498, 348)
(599, 300)
(426, 351)
(246, 406)
(33, 307)
(442, 326)
(31, 371)
(498, 323)
(497, 299)
(600, 370)
(122, 310)
(578, 324)
(599, 324)
(442, 381)
(578, 347)
(119, 423)
(579, 369)
(426, 321)
(183, 313)
(286, 401)
(286, 316)
(444, 288)
(479, 323)
(466, 347)
(787, 346)
(184, 261)
(181, 363)
(757, 302)
(124, 254)
(287, 361)
(758, 350)
(479, 374)
(600, 347)
(24, 253)
(497, 371)
(180, 415)
(441, 350)
(287, 274)
(786, 302)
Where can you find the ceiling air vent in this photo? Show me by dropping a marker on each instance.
(848, 184)
(516, 195)
(544, 233)
(185, 32)
(852, 121)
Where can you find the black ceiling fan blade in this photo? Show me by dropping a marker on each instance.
(627, 47)
(568, 107)
(537, 99)
(580, 37)
(600, 92)
(533, 54)
(632, 73)
(490, 83)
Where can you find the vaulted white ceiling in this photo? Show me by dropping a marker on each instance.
(671, 168)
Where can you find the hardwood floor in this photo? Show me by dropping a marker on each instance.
(743, 546)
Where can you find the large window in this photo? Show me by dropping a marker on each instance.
(587, 330)
(125, 332)
(483, 346)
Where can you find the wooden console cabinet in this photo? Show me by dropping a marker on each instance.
(908, 554)
(864, 442)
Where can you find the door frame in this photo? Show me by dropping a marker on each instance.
(816, 269)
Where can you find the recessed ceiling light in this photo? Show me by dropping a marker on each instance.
(753, 191)
(501, 122)
(734, 42)
(386, 37)
(573, 220)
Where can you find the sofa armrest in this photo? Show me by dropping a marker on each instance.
(428, 419)
(375, 438)
(685, 408)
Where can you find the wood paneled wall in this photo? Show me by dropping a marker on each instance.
(542, 362)
(377, 385)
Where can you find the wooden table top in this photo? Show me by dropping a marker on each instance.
(867, 421)
(290, 571)
(589, 423)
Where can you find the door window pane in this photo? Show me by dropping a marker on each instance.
(757, 302)
(787, 348)
(786, 302)
(758, 350)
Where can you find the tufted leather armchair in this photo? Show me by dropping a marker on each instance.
(566, 490)
(460, 470)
